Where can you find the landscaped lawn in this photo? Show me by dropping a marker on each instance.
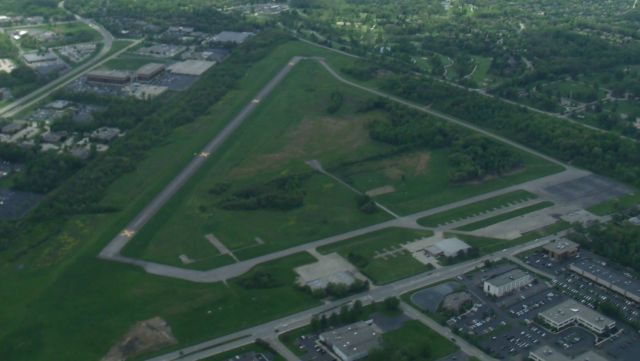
(415, 334)
(379, 270)
(422, 182)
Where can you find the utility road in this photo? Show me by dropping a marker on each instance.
(271, 330)
(113, 249)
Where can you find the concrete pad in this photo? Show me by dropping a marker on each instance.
(331, 268)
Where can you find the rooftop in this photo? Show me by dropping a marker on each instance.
(116, 74)
(561, 246)
(150, 68)
(571, 309)
(621, 279)
(507, 277)
(231, 37)
(548, 353)
(451, 246)
(354, 339)
(191, 67)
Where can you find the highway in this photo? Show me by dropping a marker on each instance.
(272, 329)
(32, 98)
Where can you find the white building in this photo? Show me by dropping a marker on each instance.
(571, 312)
(507, 282)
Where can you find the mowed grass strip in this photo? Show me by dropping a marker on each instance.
(505, 216)
(380, 270)
(476, 208)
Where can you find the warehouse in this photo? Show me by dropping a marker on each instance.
(353, 342)
(617, 281)
(149, 71)
(108, 77)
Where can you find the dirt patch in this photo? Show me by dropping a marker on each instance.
(380, 191)
(145, 336)
(312, 138)
(423, 162)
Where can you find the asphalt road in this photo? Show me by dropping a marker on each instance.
(43, 92)
(272, 329)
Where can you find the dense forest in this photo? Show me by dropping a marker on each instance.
(600, 152)
(619, 241)
(471, 156)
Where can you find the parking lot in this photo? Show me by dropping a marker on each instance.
(580, 288)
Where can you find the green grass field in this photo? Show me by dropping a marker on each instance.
(382, 271)
(505, 216)
(275, 141)
(125, 62)
(483, 68)
(476, 208)
(413, 333)
(63, 301)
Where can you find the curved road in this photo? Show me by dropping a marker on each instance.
(43, 92)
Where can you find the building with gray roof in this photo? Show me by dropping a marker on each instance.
(353, 342)
(231, 37)
(547, 353)
(572, 312)
(507, 282)
(618, 281)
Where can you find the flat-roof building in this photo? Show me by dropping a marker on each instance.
(191, 67)
(353, 342)
(615, 280)
(449, 247)
(231, 37)
(507, 282)
(547, 353)
(109, 77)
(572, 312)
(36, 57)
(149, 71)
(561, 249)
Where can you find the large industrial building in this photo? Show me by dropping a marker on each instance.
(546, 353)
(507, 282)
(353, 342)
(108, 77)
(615, 280)
(572, 312)
(561, 249)
(149, 71)
(191, 67)
(231, 37)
